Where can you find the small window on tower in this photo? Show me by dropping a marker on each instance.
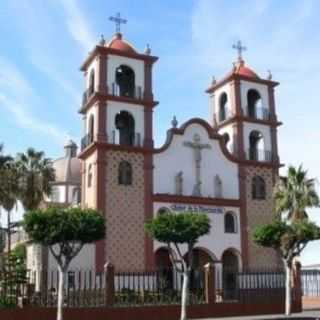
(223, 101)
(258, 188)
(91, 82)
(90, 176)
(125, 173)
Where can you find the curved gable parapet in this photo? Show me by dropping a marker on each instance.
(212, 134)
(190, 159)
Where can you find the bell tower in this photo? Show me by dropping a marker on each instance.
(242, 110)
(116, 148)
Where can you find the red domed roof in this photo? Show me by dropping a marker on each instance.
(242, 70)
(118, 44)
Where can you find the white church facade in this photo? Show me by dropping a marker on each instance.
(225, 167)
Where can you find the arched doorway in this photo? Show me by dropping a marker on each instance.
(230, 269)
(200, 257)
(165, 269)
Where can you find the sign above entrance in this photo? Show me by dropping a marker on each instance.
(196, 209)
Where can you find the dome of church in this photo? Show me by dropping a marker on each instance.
(241, 69)
(67, 169)
(118, 44)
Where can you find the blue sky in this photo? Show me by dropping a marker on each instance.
(44, 42)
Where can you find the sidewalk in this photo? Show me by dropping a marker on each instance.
(314, 314)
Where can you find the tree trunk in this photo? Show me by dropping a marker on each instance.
(184, 295)
(288, 289)
(62, 274)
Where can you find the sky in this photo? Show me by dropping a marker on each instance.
(43, 44)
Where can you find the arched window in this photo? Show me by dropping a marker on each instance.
(91, 82)
(258, 188)
(125, 80)
(256, 145)
(217, 187)
(91, 129)
(230, 223)
(90, 176)
(125, 173)
(254, 103)
(223, 107)
(125, 124)
(226, 138)
(163, 210)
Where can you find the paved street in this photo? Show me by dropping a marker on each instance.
(314, 314)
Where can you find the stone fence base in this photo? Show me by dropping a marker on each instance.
(169, 312)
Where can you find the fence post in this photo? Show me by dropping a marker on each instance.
(209, 283)
(109, 286)
(297, 292)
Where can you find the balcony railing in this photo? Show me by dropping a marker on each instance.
(224, 115)
(86, 141)
(132, 140)
(259, 155)
(135, 94)
(257, 113)
(86, 96)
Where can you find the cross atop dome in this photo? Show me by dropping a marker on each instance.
(240, 48)
(118, 20)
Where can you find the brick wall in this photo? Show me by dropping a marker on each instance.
(260, 212)
(125, 213)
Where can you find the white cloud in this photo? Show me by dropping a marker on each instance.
(16, 97)
(77, 25)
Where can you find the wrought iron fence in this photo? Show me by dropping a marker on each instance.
(249, 286)
(162, 286)
(310, 283)
(88, 288)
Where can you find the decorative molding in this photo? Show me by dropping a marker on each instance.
(162, 197)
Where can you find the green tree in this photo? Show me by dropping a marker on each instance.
(9, 189)
(64, 232)
(294, 193)
(36, 175)
(177, 229)
(289, 240)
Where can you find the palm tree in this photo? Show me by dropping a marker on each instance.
(294, 193)
(8, 189)
(36, 175)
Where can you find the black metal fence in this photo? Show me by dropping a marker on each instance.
(310, 283)
(87, 288)
(161, 286)
(249, 286)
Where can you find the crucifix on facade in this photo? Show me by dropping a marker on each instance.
(118, 20)
(197, 147)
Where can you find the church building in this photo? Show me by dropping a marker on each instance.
(225, 166)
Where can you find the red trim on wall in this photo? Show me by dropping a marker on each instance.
(100, 204)
(148, 207)
(161, 197)
(105, 97)
(243, 217)
(240, 77)
(106, 51)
